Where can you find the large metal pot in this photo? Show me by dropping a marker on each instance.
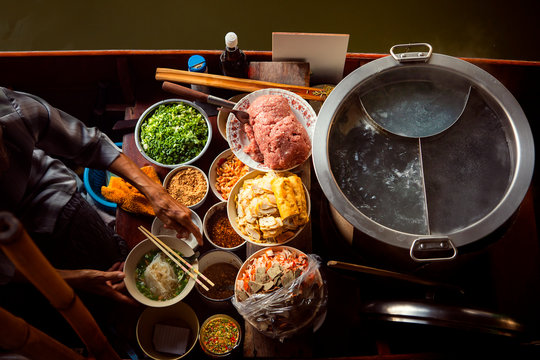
(423, 152)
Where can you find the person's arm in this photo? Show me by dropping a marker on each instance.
(108, 283)
(173, 214)
(59, 133)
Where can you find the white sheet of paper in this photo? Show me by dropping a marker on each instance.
(325, 53)
(170, 339)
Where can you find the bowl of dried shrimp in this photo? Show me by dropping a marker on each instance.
(224, 172)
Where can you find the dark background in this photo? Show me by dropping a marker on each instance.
(492, 29)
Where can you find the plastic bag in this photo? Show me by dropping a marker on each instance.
(287, 310)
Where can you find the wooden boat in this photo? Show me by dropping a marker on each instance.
(103, 87)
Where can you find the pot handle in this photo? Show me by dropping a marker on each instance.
(432, 249)
(409, 56)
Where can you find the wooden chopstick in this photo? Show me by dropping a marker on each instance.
(232, 83)
(147, 232)
(174, 256)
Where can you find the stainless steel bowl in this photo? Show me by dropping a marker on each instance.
(148, 112)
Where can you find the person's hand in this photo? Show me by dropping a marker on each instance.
(173, 214)
(176, 216)
(105, 283)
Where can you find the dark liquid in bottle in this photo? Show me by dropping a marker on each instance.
(233, 62)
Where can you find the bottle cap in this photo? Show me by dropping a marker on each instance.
(197, 63)
(231, 40)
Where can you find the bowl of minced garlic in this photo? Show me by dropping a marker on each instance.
(188, 185)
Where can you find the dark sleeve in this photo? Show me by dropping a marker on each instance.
(60, 134)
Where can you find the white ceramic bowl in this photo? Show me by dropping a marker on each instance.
(135, 255)
(238, 139)
(213, 257)
(148, 112)
(212, 172)
(173, 172)
(233, 215)
(209, 213)
(158, 228)
(224, 115)
(180, 314)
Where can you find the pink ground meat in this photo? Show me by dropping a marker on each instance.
(276, 136)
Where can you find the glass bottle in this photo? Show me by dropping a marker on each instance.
(233, 61)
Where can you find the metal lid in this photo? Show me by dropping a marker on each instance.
(462, 318)
(431, 153)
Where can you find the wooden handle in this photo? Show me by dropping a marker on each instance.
(231, 83)
(390, 274)
(184, 92)
(30, 261)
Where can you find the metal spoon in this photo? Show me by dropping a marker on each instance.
(191, 94)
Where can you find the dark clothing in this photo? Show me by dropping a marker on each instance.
(81, 240)
(37, 186)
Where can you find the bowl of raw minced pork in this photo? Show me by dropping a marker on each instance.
(280, 130)
(173, 132)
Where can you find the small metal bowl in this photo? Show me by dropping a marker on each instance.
(220, 206)
(148, 112)
(174, 171)
(214, 257)
(204, 328)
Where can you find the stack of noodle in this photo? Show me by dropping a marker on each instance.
(160, 278)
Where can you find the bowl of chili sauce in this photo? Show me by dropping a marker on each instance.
(220, 335)
(218, 229)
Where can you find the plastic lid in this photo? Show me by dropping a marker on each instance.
(197, 63)
(231, 40)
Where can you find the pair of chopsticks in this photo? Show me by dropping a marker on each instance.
(232, 83)
(174, 256)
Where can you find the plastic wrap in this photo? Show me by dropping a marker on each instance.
(287, 310)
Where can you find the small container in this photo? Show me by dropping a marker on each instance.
(233, 61)
(221, 267)
(158, 228)
(197, 63)
(215, 210)
(228, 336)
(172, 174)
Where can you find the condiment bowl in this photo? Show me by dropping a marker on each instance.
(150, 326)
(213, 211)
(213, 176)
(143, 149)
(233, 214)
(217, 265)
(158, 228)
(238, 140)
(137, 254)
(222, 116)
(189, 187)
(227, 340)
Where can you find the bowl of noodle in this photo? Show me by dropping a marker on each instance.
(155, 280)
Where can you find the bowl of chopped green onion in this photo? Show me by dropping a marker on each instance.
(173, 132)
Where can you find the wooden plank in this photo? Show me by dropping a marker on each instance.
(283, 72)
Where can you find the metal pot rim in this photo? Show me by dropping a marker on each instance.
(522, 171)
